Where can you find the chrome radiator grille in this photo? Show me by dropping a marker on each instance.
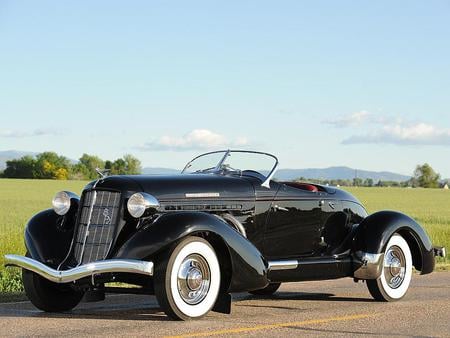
(96, 224)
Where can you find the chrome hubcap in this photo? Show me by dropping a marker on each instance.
(193, 279)
(394, 267)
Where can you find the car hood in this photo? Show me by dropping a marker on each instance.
(175, 187)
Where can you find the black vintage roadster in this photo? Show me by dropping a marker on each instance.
(222, 226)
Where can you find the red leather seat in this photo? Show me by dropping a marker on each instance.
(303, 186)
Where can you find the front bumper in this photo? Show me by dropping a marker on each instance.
(82, 271)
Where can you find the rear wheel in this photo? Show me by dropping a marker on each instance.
(48, 296)
(187, 279)
(396, 273)
(268, 290)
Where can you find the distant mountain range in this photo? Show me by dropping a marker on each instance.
(330, 173)
(282, 174)
(345, 173)
(11, 155)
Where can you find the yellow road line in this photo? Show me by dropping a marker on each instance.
(271, 326)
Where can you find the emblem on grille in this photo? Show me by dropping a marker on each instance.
(107, 216)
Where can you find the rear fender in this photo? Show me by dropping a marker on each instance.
(375, 231)
(249, 269)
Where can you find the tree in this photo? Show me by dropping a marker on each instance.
(357, 181)
(108, 164)
(61, 174)
(426, 177)
(368, 182)
(128, 165)
(119, 167)
(20, 168)
(49, 165)
(86, 166)
(133, 165)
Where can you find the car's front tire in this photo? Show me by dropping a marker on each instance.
(396, 272)
(48, 296)
(187, 279)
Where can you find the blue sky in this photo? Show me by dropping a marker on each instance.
(363, 84)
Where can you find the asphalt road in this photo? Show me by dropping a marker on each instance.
(328, 308)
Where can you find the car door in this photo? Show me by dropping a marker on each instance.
(294, 224)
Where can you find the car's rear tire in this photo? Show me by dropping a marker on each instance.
(187, 279)
(396, 273)
(48, 296)
(267, 291)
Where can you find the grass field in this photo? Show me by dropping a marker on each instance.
(20, 199)
(429, 207)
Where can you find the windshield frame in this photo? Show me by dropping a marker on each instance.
(217, 168)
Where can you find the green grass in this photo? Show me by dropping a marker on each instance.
(429, 207)
(21, 199)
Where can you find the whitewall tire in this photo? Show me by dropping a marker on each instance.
(187, 279)
(396, 272)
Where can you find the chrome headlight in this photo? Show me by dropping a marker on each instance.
(62, 202)
(141, 203)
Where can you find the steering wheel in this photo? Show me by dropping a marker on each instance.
(227, 167)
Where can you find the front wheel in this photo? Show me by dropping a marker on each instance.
(48, 296)
(187, 279)
(396, 272)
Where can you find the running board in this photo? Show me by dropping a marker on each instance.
(309, 269)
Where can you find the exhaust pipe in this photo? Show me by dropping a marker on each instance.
(82, 271)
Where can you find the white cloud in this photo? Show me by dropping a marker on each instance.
(29, 133)
(404, 134)
(197, 139)
(351, 120)
(381, 129)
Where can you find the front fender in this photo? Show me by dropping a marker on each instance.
(48, 236)
(249, 269)
(375, 230)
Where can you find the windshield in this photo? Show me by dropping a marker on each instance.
(238, 162)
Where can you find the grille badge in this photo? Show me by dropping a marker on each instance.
(106, 215)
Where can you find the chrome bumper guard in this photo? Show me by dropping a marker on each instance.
(439, 251)
(82, 271)
(371, 265)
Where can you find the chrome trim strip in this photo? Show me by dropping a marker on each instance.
(202, 194)
(82, 271)
(282, 265)
(371, 265)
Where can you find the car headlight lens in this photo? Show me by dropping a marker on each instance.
(61, 203)
(141, 203)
